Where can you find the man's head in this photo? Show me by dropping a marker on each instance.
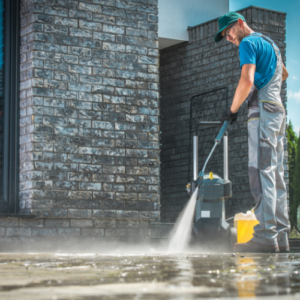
(232, 27)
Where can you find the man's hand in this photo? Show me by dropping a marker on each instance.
(228, 115)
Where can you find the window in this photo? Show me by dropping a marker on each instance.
(1, 96)
(9, 105)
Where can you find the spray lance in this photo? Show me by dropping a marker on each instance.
(217, 142)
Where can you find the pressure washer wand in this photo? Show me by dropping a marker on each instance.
(217, 142)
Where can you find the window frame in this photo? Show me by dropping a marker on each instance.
(9, 204)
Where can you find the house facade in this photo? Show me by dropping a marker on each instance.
(96, 98)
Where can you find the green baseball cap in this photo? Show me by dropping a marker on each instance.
(225, 21)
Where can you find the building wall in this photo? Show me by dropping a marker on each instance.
(57, 233)
(89, 140)
(194, 67)
(89, 143)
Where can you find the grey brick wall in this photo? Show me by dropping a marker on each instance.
(194, 67)
(56, 232)
(89, 142)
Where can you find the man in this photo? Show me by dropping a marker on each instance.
(262, 72)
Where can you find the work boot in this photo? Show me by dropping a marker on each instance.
(254, 247)
(284, 249)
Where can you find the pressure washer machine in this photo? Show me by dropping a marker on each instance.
(209, 220)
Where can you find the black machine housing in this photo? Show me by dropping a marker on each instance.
(209, 220)
(214, 189)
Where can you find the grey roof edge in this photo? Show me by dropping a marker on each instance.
(251, 6)
(262, 8)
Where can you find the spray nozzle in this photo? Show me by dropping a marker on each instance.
(200, 179)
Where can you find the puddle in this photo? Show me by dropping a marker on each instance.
(148, 276)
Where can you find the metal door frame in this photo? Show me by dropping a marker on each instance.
(191, 120)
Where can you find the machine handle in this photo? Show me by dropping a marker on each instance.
(211, 123)
(222, 131)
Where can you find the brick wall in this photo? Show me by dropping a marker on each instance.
(54, 233)
(89, 140)
(195, 67)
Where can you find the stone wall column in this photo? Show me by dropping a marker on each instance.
(89, 131)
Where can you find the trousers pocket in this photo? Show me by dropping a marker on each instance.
(273, 107)
(265, 157)
(253, 115)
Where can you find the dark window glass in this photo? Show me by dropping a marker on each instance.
(9, 105)
(1, 96)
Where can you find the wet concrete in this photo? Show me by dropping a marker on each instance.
(148, 276)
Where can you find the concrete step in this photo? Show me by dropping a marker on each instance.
(294, 245)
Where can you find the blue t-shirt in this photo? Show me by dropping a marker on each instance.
(257, 51)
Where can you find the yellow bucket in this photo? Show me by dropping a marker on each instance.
(244, 224)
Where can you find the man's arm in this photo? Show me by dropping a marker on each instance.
(244, 87)
(285, 73)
